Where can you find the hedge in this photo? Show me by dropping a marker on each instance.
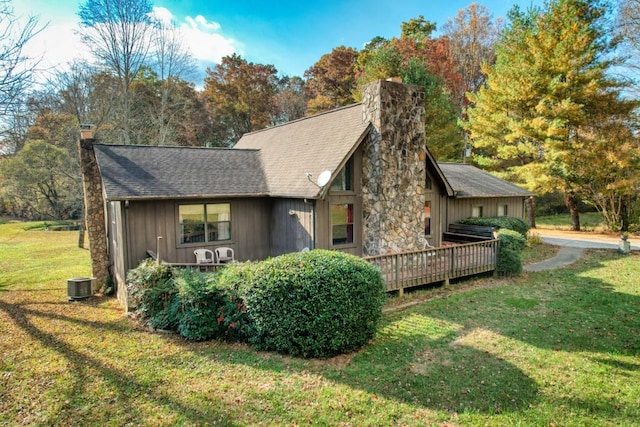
(314, 304)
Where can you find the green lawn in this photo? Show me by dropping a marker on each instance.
(551, 348)
(589, 221)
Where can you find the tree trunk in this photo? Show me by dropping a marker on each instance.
(625, 217)
(531, 211)
(572, 203)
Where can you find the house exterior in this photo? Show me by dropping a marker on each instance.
(384, 192)
(478, 193)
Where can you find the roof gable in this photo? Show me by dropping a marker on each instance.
(310, 145)
(469, 181)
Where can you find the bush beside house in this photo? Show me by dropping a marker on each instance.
(512, 233)
(312, 304)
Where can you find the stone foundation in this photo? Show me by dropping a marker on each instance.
(394, 168)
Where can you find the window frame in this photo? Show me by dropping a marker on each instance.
(480, 209)
(345, 177)
(427, 203)
(207, 224)
(349, 222)
(505, 210)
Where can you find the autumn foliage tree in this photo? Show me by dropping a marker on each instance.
(550, 104)
(239, 96)
(330, 81)
(420, 60)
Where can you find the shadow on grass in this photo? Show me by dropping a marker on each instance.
(438, 354)
(425, 356)
(86, 370)
(566, 311)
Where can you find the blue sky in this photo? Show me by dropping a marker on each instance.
(291, 35)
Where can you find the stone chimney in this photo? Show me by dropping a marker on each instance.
(394, 167)
(94, 207)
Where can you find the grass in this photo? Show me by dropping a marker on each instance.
(550, 348)
(589, 221)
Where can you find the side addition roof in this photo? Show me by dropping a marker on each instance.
(469, 181)
(149, 172)
(310, 145)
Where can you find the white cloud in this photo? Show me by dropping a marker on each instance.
(205, 40)
(163, 15)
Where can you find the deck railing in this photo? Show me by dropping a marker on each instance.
(407, 269)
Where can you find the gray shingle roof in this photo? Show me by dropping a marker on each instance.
(314, 144)
(469, 181)
(149, 172)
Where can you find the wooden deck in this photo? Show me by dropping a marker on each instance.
(407, 269)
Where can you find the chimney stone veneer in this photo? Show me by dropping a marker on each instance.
(394, 168)
(94, 212)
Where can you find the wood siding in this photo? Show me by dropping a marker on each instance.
(292, 226)
(462, 208)
(117, 249)
(146, 220)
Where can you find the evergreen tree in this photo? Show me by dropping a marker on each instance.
(549, 101)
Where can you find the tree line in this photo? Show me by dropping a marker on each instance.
(544, 98)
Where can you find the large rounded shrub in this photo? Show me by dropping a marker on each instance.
(314, 304)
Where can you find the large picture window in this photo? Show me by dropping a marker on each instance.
(203, 223)
(342, 224)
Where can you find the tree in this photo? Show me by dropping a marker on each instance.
(332, 78)
(549, 101)
(239, 96)
(42, 180)
(290, 101)
(418, 59)
(118, 34)
(629, 29)
(16, 69)
(172, 62)
(472, 35)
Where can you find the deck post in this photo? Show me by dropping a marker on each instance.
(397, 271)
(158, 246)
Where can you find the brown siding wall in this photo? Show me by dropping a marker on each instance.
(438, 210)
(461, 208)
(117, 250)
(292, 228)
(146, 220)
(323, 212)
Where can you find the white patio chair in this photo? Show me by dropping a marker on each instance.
(204, 256)
(224, 255)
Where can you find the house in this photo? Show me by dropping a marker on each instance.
(478, 193)
(380, 190)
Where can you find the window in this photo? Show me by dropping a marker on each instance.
(342, 224)
(428, 184)
(476, 211)
(344, 179)
(427, 218)
(503, 210)
(204, 223)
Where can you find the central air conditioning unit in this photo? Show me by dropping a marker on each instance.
(80, 288)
